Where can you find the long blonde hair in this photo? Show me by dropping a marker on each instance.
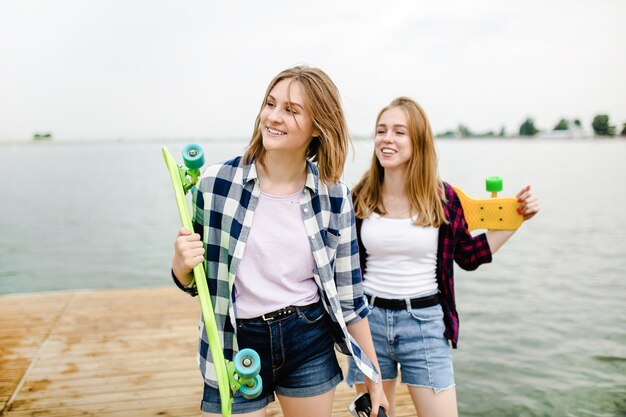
(424, 188)
(323, 102)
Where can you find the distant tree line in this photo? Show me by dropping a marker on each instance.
(601, 126)
(42, 136)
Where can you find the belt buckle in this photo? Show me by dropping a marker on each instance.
(283, 312)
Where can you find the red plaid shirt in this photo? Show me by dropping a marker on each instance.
(455, 244)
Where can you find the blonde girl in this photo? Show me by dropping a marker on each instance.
(411, 230)
(275, 229)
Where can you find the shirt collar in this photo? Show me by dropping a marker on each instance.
(249, 172)
(312, 175)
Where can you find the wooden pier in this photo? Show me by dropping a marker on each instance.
(110, 353)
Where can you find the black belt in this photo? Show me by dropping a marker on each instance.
(400, 304)
(279, 314)
(282, 313)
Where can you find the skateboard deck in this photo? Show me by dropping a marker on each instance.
(242, 372)
(495, 213)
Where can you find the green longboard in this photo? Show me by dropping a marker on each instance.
(495, 213)
(242, 372)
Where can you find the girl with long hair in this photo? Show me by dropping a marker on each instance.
(275, 229)
(411, 230)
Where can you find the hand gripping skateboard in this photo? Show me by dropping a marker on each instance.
(495, 213)
(243, 372)
(362, 406)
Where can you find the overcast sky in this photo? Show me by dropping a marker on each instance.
(111, 69)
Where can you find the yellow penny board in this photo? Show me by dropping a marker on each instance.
(497, 213)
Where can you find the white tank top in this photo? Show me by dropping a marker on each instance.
(276, 269)
(401, 258)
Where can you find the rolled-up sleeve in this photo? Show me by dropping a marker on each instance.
(189, 289)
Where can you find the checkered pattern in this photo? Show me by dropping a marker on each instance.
(224, 204)
(456, 244)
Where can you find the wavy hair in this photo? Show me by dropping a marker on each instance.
(323, 103)
(423, 185)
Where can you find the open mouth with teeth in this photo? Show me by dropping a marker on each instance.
(388, 151)
(275, 132)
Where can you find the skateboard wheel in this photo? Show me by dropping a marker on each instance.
(253, 388)
(494, 184)
(247, 363)
(193, 156)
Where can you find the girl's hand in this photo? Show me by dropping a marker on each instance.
(529, 204)
(188, 252)
(377, 396)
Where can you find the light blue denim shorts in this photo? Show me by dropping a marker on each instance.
(412, 340)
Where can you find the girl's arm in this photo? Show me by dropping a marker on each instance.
(188, 246)
(360, 331)
(350, 292)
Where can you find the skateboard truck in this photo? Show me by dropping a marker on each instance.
(193, 155)
(362, 406)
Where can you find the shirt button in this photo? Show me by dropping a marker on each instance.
(312, 237)
(306, 210)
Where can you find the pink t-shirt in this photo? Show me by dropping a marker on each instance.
(276, 269)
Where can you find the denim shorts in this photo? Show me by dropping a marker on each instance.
(297, 358)
(413, 340)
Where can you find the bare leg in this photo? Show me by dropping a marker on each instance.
(429, 404)
(258, 413)
(318, 406)
(390, 392)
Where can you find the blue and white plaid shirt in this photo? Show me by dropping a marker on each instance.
(224, 204)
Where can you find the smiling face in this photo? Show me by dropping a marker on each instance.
(322, 122)
(393, 143)
(285, 121)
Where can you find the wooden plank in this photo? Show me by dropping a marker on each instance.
(37, 314)
(111, 353)
(114, 383)
(136, 407)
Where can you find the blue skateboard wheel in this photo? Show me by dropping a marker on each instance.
(253, 388)
(193, 156)
(247, 363)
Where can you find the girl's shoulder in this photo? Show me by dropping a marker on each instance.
(448, 191)
(335, 190)
(223, 170)
(451, 198)
(452, 207)
(334, 197)
(223, 174)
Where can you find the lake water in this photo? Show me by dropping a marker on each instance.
(543, 331)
